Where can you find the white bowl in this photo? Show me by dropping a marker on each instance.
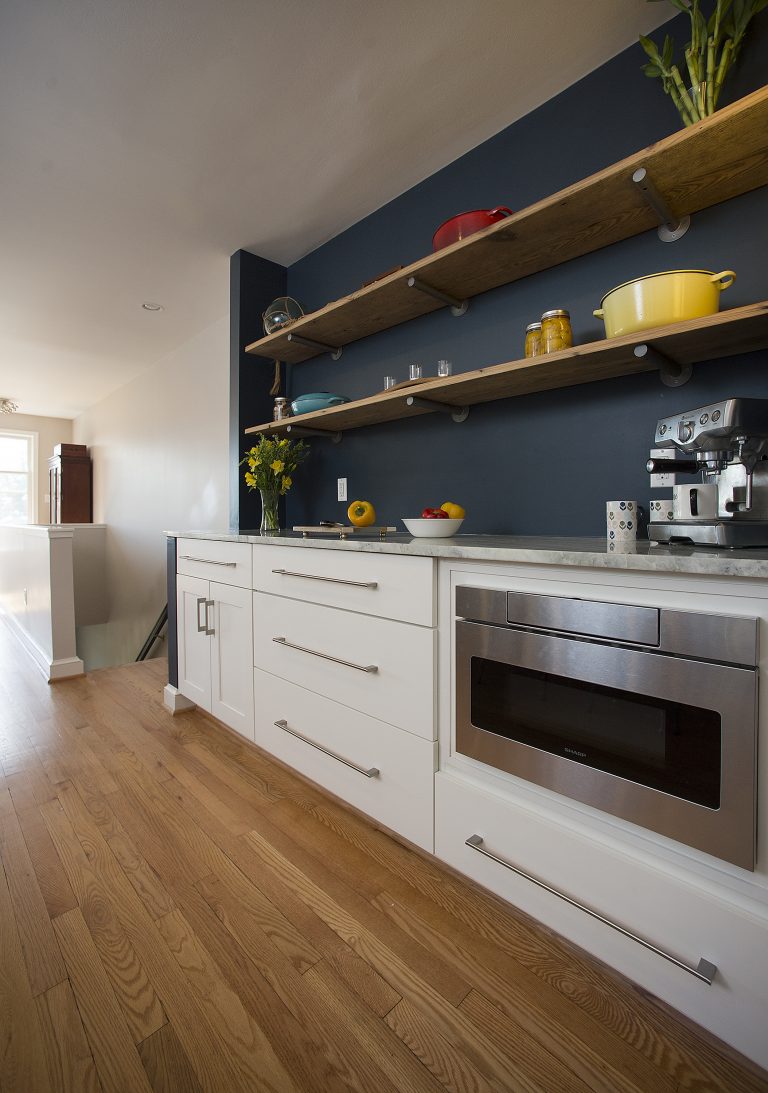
(432, 529)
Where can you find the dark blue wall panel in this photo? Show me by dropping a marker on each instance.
(544, 463)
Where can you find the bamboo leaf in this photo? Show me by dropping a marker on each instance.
(650, 48)
(669, 48)
(651, 70)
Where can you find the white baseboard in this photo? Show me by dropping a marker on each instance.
(174, 700)
(51, 669)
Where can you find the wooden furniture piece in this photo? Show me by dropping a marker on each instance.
(670, 349)
(70, 485)
(721, 157)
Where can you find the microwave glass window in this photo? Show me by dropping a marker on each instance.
(665, 745)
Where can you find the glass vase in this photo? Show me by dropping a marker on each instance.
(270, 517)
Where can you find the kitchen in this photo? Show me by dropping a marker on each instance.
(620, 936)
(542, 465)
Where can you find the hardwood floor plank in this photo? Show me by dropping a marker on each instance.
(87, 860)
(44, 964)
(114, 1052)
(67, 1053)
(54, 887)
(166, 1064)
(22, 1064)
(238, 1032)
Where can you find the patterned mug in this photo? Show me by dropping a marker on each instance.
(661, 510)
(621, 520)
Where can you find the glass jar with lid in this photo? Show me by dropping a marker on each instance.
(533, 340)
(282, 409)
(556, 331)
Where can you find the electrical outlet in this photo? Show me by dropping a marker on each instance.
(341, 489)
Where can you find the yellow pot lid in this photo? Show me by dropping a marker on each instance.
(648, 276)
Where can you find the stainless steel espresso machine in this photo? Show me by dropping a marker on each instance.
(725, 445)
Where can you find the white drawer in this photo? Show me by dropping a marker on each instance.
(400, 792)
(336, 647)
(215, 560)
(390, 586)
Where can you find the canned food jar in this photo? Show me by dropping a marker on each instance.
(533, 340)
(282, 409)
(556, 331)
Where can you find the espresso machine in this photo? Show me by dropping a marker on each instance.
(725, 446)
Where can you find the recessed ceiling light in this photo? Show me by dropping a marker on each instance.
(153, 307)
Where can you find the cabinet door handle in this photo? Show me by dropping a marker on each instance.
(208, 561)
(705, 969)
(202, 628)
(210, 630)
(331, 580)
(327, 656)
(371, 772)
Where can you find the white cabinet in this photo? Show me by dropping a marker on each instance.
(215, 652)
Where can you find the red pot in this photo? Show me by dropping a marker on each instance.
(459, 227)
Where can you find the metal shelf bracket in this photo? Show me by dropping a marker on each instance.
(310, 343)
(300, 432)
(671, 227)
(458, 307)
(458, 413)
(672, 374)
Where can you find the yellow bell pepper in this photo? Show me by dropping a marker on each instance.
(362, 514)
(455, 512)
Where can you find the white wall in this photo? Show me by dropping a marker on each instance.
(50, 431)
(160, 462)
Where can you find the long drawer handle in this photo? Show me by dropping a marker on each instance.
(331, 580)
(210, 630)
(371, 772)
(327, 656)
(208, 561)
(705, 970)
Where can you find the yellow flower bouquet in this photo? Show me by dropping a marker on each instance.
(270, 466)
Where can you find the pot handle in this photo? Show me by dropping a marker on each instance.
(502, 209)
(727, 275)
(599, 314)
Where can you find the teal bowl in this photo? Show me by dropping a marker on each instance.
(318, 400)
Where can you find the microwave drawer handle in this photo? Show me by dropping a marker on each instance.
(208, 561)
(330, 580)
(371, 772)
(705, 970)
(327, 656)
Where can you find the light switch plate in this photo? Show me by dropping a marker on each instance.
(341, 489)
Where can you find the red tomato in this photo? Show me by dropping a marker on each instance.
(434, 514)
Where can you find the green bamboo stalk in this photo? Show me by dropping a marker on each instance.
(693, 76)
(683, 93)
(681, 108)
(722, 68)
(711, 72)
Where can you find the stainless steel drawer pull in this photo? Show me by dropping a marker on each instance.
(705, 970)
(208, 561)
(331, 580)
(202, 628)
(210, 630)
(371, 772)
(327, 656)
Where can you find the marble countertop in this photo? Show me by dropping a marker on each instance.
(553, 550)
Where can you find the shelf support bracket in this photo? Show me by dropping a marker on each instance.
(310, 343)
(671, 227)
(458, 307)
(672, 374)
(300, 432)
(458, 413)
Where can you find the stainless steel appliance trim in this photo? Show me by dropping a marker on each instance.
(370, 772)
(728, 832)
(210, 630)
(202, 628)
(705, 969)
(731, 639)
(331, 580)
(207, 561)
(327, 656)
(590, 618)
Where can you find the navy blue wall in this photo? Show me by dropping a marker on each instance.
(542, 464)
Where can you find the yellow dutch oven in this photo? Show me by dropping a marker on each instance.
(662, 298)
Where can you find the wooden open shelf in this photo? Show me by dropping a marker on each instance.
(716, 159)
(728, 333)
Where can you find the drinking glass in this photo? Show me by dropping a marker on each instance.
(444, 368)
(389, 381)
(414, 372)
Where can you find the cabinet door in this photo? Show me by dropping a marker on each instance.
(232, 657)
(194, 644)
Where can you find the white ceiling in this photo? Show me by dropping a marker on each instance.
(143, 141)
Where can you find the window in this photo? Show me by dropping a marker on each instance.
(18, 453)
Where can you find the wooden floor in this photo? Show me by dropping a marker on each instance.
(179, 912)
